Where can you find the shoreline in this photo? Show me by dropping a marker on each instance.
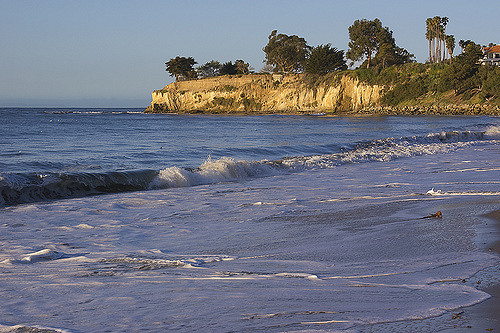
(480, 317)
(421, 110)
(484, 316)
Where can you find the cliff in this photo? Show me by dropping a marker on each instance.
(266, 93)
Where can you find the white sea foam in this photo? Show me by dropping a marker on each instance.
(221, 170)
(30, 329)
(144, 263)
(390, 149)
(137, 263)
(298, 275)
(493, 132)
(433, 192)
(42, 255)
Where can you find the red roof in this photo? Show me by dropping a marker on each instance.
(493, 49)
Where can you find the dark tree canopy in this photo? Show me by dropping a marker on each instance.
(228, 68)
(215, 68)
(181, 67)
(463, 44)
(472, 53)
(386, 54)
(375, 43)
(324, 59)
(459, 76)
(390, 54)
(285, 52)
(239, 67)
(210, 69)
(242, 67)
(366, 37)
(450, 44)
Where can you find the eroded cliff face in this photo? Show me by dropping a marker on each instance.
(266, 94)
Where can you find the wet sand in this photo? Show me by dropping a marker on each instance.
(485, 316)
(495, 215)
(482, 317)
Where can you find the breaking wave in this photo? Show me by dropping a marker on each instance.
(18, 188)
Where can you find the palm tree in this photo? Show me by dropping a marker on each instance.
(428, 36)
(436, 35)
(450, 45)
(443, 24)
(436, 24)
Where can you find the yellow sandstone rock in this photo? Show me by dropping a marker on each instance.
(265, 93)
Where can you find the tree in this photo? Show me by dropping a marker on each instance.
(366, 37)
(324, 59)
(429, 35)
(490, 81)
(268, 69)
(450, 44)
(462, 70)
(228, 68)
(242, 67)
(239, 67)
(463, 44)
(436, 35)
(472, 53)
(285, 52)
(442, 36)
(386, 53)
(402, 56)
(210, 69)
(181, 67)
(390, 54)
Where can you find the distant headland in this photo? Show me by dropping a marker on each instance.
(300, 79)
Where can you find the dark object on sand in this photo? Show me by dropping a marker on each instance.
(437, 215)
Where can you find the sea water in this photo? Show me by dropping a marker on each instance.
(114, 220)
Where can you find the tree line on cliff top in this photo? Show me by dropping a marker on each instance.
(381, 61)
(369, 41)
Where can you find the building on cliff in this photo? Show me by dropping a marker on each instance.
(491, 55)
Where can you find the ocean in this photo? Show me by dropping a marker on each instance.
(112, 220)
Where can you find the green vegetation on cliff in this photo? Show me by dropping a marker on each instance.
(463, 81)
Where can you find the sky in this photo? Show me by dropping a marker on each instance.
(104, 53)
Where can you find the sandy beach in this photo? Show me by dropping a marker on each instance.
(485, 316)
(482, 317)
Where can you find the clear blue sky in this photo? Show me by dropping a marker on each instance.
(113, 53)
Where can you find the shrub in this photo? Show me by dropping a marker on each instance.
(405, 91)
